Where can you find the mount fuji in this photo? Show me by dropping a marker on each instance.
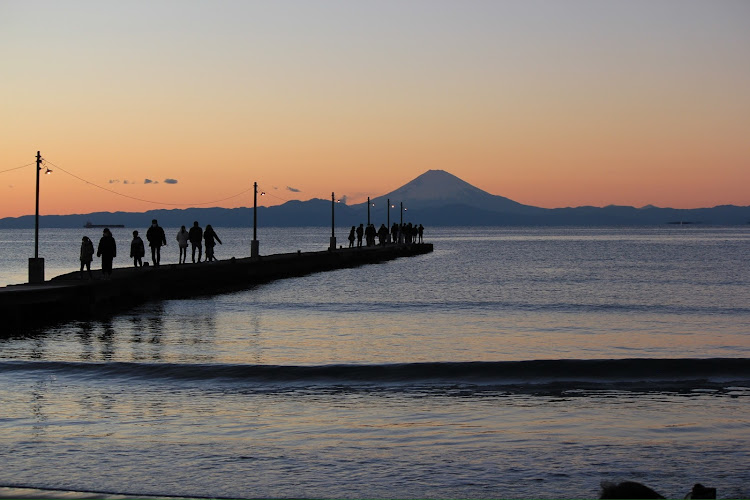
(435, 189)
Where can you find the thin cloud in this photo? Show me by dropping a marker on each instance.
(293, 190)
(343, 199)
(149, 181)
(114, 181)
(170, 181)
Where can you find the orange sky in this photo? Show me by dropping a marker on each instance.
(548, 103)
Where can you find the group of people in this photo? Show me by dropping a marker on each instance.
(398, 233)
(156, 237)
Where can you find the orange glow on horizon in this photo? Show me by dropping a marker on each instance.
(554, 107)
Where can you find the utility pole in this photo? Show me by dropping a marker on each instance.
(368, 210)
(332, 245)
(36, 265)
(36, 212)
(389, 219)
(255, 245)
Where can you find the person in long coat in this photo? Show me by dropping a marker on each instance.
(87, 255)
(107, 250)
(211, 238)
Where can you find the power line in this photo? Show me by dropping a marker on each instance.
(16, 168)
(142, 199)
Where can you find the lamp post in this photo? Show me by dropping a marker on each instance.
(36, 265)
(401, 224)
(255, 244)
(368, 210)
(388, 218)
(332, 245)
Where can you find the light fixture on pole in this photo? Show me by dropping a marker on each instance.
(36, 265)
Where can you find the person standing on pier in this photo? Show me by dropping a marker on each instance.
(351, 237)
(107, 250)
(210, 235)
(156, 238)
(360, 233)
(382, 234)
(182, 241)
(87, 255)
(137, 250)
(195, 235)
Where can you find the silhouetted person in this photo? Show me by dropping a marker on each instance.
(137, 250)
(394, 233)
(370, 235)
(211, 238)
(360, 233)
(156, 238)
(352, 236)
(87, 255)
(382, 234)
(182, 241)
(195, 235)
(107, 250)
(420, 232)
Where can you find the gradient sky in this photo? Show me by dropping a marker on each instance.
(549, 103)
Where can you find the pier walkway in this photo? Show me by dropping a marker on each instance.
(69, 297)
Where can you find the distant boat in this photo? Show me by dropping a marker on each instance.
(89, 225)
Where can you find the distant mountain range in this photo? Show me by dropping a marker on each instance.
(435, 198)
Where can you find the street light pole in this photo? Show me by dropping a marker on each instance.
(368, 210)
(401, 236)
(255, 245)
(332, 245)
(36, 213)
(389, 219)
(36, 265)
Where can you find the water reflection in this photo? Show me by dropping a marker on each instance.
(107, 341)
(85, 337)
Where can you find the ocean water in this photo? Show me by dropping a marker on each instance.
(513, 363)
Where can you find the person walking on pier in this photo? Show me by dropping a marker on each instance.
(370, 233)
(156, 238)
(210, 235)
(382, 234)
(351, 237)
(195, 235)
(137, 250)
(107, 250)
(87, 255)
(182, 241)
(360, 233)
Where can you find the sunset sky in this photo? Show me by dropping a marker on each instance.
(549, 103)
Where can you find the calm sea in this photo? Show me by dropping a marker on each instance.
(525, 362)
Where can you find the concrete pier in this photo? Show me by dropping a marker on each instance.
(69, 297)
